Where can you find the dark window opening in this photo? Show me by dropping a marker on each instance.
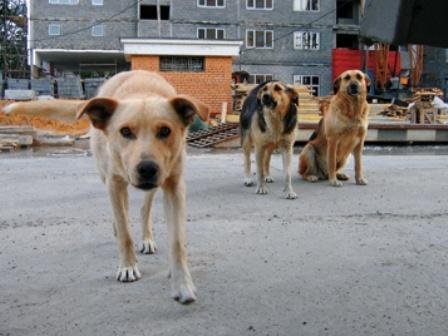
(182, 63)
(347, 41)
(347, 12)
(164, 12)
(149, 12)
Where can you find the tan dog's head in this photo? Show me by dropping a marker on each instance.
(145, 136)
(277, 96)
(352, 83)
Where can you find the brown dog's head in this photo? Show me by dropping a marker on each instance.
(277, 96)
(145, 136)
(352, 83)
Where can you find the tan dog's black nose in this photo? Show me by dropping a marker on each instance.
(353, 89)
(147, 174)
(268, 100)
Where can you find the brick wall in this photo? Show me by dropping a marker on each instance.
(212, 86)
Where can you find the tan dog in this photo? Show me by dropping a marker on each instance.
(138, 138)
(341, 131)
(269, 122)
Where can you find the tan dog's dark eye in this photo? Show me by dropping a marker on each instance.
(347, 78)
(127, 133)
(164, 132)
(358, 77)
(277, 88)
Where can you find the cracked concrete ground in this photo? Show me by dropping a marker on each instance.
(351, 261)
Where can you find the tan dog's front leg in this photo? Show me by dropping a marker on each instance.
(267, 166)
(247, 148)
(286, 156)
(332, 148)
(357, 153)
(260, 153)
(148, 245)
(118, 193)
(183, 289)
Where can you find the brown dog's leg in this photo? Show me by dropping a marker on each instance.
(357, 153)
(331, 161)
(247, 148)
(183, 289)
(260, 153)
(267, 166)
(118, 193)
(148, 245)
(287, 156)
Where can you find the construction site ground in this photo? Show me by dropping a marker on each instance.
(350, 261)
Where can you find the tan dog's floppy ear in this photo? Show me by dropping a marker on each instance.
(293, 94)
(99, 111)
(186, 107)
(336, 85)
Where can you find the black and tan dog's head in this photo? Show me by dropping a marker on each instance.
(352, 82)
(277, 96)
(145, 136)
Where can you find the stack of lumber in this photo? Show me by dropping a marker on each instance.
(15, 137)
(308, 104)
(395, 111)
(43, 122)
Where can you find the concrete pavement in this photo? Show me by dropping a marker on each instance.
(351, 261)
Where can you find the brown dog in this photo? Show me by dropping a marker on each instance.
(341, 131)
(269, 122)
(138, 138)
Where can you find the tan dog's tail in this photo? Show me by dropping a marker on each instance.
(63, 110)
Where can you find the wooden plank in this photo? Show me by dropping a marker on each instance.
(19, 140)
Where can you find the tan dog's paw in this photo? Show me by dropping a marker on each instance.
(148, 247)
(269, 179)
(248, 182)
(261, 190)
(183, 290)
(311, 178)
(291, 195)
(361, 181)
(336, 183)
(342, 177)
(128, 274)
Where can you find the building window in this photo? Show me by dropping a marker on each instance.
(182, 63)
(259, 78)
(54, 29)
(98, 30)
(306, 5)
(259, 4)
(149, 12)
(211, 33)
(262, 39)
(63, 2)
(307, 40)
(212, 3)
(97, 2)
(312, 82)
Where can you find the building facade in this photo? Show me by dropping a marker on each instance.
(289, 40)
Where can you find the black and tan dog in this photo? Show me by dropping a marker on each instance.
(269, 122)
(341, 131)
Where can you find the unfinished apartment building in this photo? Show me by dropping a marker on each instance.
(289, 40)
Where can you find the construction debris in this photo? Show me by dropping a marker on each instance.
(213, 135)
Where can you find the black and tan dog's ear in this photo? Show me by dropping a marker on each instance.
(99, 111)
(337, 85)
(368, 82)
(186, 107)
(293, 94)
